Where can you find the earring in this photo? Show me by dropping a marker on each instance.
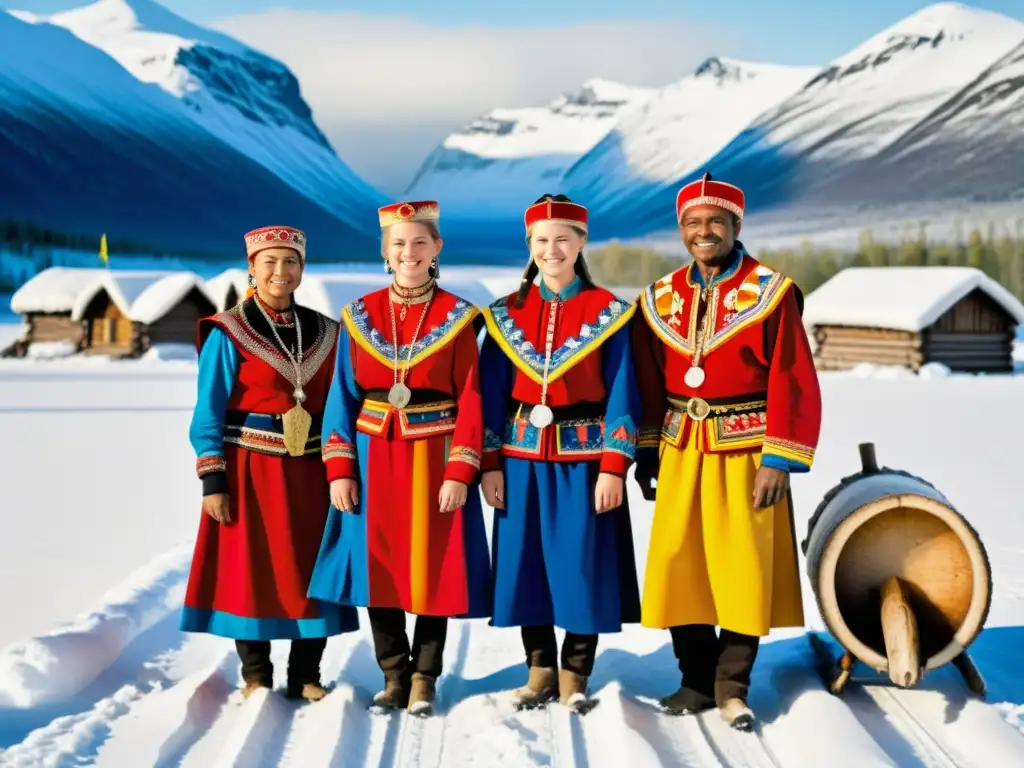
(387, 267)
(252, 281)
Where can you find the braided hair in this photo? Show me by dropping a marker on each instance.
(530, 274)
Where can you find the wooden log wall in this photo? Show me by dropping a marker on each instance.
(841, 348)
(54, 327)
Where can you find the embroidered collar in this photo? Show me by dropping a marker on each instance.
(728, 269)
(570, 291)
(592, 333)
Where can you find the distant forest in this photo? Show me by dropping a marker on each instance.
(999, 256)
(14, 234)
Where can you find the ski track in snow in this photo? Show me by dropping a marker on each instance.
(181, 706)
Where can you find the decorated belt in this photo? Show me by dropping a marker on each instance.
(698, 408)
(264, 432)
(562, 413)
(417, 396)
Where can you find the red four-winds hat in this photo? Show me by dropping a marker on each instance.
(257, 240)
(705, 191)
(558, 211)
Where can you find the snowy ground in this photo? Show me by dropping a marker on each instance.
(100, 493)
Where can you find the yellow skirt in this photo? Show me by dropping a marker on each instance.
(714, 558)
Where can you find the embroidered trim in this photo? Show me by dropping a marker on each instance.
(788, 449)
(357, 320)
(336, 448)
(266, 441)
(465, 454)
(757, 296)
(621, 437)
(530, 361)
(240, 329)
(207, 464)
(416, 421)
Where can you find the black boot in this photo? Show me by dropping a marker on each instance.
(391, 645)
(696, 649)
(304, 668)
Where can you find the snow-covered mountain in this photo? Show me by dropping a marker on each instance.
(85, 147)
(245, 98)
(507, 158)
(926, 110)
(681, 127)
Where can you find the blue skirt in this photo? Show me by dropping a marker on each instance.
(556, 561)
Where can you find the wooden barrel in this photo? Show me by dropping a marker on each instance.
(884, 523)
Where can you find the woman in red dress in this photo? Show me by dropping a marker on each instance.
(403, 439)
(264, 369)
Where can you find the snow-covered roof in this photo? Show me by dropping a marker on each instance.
(219, 286)
(143, 296)
(53, 290)
(900, 298)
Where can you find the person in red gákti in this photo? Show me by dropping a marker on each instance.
(561, 416)
(732, 406)
(264, 369)
(404, 440)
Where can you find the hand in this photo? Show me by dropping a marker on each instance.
(493, 485)
(770, 486)
(645, 477)
(217, 506)
(452, 496)
(608, 493)
(345, 494)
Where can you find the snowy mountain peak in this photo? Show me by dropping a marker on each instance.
(505, 156)
(719, 68)
(207, 70)
(943, 28)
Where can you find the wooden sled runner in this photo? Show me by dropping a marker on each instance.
(901, 579)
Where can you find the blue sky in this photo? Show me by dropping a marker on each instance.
(388, 81)
(825, 31)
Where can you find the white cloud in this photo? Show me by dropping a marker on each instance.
(387, 89)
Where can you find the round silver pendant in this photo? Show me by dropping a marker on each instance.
(541, 416)
(399, 395)
(694, 377)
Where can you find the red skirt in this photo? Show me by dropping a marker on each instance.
(398, 550)
(249, 577)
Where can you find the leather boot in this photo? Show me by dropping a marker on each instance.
(572, 690)
(253, 685)
(541, 687)
(396, 691)
(421, 695)
(307, 691)
(737, 714)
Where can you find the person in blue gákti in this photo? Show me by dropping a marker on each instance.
(561, 415)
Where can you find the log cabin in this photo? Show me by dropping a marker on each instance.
(45, 303)
(912, 316)
(126, 313)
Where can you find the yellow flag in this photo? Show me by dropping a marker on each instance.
(103, 250)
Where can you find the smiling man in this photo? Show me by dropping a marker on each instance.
(731, 406)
